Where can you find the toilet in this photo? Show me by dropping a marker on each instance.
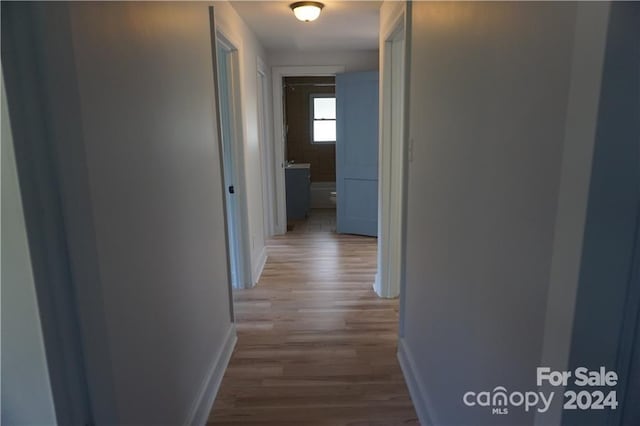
(332, 197)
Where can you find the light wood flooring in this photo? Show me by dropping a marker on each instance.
(315, 344)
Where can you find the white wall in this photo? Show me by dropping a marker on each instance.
(146, 87)
(489, 109)
(26, 389)
(129, 93)
(352, 60)
(249, 48)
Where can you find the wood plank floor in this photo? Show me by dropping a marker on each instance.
(315, 344)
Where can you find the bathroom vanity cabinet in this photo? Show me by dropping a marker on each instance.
(298, 187)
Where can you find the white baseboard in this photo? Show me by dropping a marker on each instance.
(199, 413)
(424, 408)
(383, 293)
(262, 260)
(377, 284)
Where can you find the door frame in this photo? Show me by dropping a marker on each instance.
(240, 213)
(278, 74)
(266, 149)
(391, 213)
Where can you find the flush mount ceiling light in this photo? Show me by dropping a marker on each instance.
(306, 11)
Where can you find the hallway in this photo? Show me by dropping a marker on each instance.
(315, 344)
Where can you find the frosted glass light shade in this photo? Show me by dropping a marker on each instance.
(307, 11)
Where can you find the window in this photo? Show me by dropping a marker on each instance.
(323, 118)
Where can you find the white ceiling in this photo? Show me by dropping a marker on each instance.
(342, 25)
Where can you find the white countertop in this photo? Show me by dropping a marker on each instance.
(299, 166)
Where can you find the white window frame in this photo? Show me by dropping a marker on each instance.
(312, 119)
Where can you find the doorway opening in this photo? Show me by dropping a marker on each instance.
(279, 74)
(232, 154)
(310, 153)
(323, 109)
